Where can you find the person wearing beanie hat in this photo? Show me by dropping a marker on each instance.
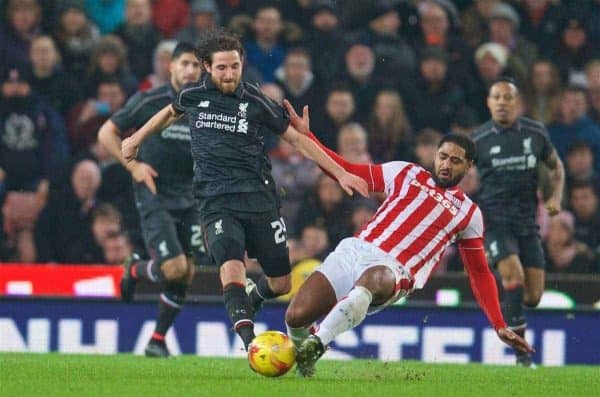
(511, 150)
(504, 29)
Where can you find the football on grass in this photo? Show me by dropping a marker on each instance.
(271, 353)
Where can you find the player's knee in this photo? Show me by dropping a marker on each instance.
(532, 299)
(380, 281)
(280, 285)
(175, 269)
(295, 316)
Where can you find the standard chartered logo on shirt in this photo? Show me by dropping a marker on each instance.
(225, 122)
(178, 132)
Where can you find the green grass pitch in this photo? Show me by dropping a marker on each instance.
(123, 375)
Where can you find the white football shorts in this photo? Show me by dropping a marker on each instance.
(351, 258)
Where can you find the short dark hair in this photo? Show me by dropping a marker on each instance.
(578, 146)
(504, 79)
(463, 141)
(183, 47)
(218, 40)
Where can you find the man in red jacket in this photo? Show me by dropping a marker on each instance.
(397, 250)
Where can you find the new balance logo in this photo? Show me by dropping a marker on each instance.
(203, 104)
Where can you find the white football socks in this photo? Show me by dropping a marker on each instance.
(345, 315)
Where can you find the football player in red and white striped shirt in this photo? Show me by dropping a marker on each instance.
(397, 249)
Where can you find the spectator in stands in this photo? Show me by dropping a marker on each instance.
(32, 147)
(426, 144)
(583, 201)
(106, 222)
(109, 60)
(592, 73)
(437, 31)
(579, 165)
(170, 16)
(574, 124)
(315, 242)
(434, 99)
(360, 76)
(265, 51)
(352, 143)
(297, 80)
(339, 110)
(362, 210)
(325, 205)
(324, 40)
(564, 253)
(23, 23)
(64, 230)
(139, 36)
(160, 66)
(294, 175)
(117, 248)
(389, 131)
(76, 37)
(49, 79)
(574, 48)
(475, 21)
(107, 14)
(540, 21)
(205, 16)
(86, 117)
(504, 30)
(392, 53)
(491, 61)
(465, 121)
(542, 99)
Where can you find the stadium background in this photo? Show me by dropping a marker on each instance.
(384, 80)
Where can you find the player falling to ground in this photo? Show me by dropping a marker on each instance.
(397, 250)
(232, 179)
(510, 150)
(163, 192)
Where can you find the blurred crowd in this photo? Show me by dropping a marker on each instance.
(384, 79)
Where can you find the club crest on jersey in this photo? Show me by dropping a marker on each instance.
(437, 196)
(243, 110)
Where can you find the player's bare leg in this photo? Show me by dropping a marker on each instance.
(375, 286)
(513, 281)
(237, 303)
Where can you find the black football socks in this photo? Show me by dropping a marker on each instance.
(239, 310)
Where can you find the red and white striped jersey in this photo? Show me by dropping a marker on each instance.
(418, 220)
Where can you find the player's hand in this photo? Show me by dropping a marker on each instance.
(129, 149)
(509, 337)
(143, 173)
(302, 124)
(350, 182)
(553, 206)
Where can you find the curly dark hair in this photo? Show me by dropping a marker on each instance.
(218, 40)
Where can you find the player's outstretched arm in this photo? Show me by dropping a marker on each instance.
(161, 120)
(557, 183)
(484, 288)
(347, 181)
(370, 173)
(109, 136)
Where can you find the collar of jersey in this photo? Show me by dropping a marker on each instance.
(515, 127)
(239, 91)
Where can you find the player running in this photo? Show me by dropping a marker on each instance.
(238, 201)
(163, 193)
(397, 250)
(510, 151)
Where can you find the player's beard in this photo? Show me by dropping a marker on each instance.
(227, 88)
(449, 182)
